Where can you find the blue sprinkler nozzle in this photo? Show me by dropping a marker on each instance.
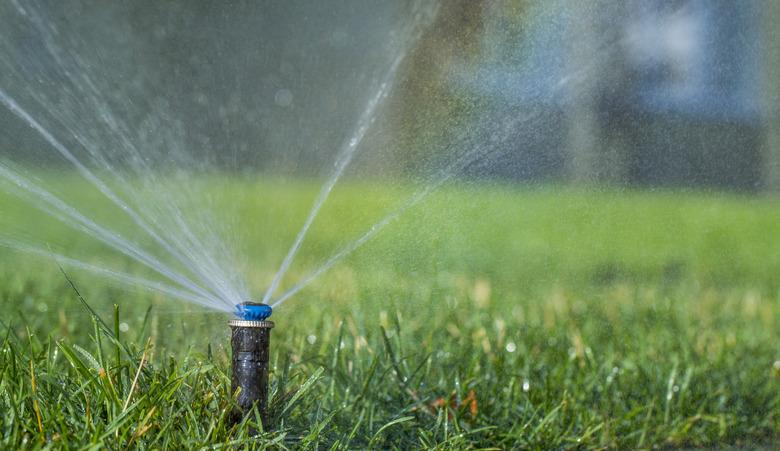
(253, 311)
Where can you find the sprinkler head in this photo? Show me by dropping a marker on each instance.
(253, 311)
(250, 340)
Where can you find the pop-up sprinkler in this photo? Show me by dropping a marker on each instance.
(250, 337)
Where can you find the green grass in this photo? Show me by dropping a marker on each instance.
(489, 316)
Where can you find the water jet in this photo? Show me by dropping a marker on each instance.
(250, 339)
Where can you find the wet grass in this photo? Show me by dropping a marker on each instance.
(489, 317)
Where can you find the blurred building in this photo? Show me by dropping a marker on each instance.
(643, 92)
(647, 92)
(677, 101)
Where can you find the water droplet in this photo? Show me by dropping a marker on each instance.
(43, 307)
(526, 385)
(311, 339)
(675, 389)
(776, 365)
(124, 327)
(511, 347)
(283, 97)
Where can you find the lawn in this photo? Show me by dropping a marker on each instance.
(488, 316)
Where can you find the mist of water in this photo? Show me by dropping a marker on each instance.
(132, 170)
(80, 90)
(117, 276)
(479, 145)
(69, 215)
(189, 250)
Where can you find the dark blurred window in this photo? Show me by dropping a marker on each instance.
(696, 57)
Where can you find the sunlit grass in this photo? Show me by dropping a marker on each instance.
(488, 317)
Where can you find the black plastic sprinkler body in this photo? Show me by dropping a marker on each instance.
(250, 339)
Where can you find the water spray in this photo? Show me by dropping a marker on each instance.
(250, 339)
